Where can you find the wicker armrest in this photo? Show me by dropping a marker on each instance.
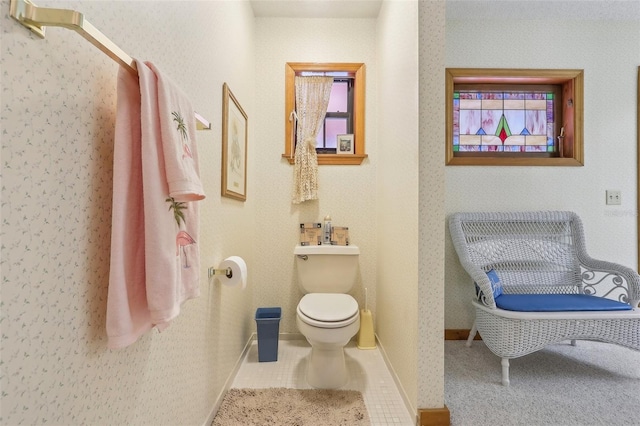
(609, 279)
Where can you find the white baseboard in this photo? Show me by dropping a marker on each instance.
(410, 408)
(291, 336)
(229, 381)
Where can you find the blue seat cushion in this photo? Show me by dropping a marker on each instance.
(557, 303)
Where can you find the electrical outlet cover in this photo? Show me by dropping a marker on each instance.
(614, 197)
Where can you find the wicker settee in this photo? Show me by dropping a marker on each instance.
(551, 290)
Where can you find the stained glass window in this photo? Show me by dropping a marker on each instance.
(503, 121)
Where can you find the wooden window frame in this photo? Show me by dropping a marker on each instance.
(572, 83)
(358, 70)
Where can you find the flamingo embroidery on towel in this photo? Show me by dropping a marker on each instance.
(183, 238)
(182, 129)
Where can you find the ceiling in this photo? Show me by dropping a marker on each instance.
(316, 8)
(616, 10)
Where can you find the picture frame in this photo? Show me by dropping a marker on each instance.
(234, 146)
(344, 144)
(310, 234)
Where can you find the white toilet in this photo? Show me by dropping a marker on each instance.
(327, 316)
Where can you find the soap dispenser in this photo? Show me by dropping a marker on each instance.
(327, 230)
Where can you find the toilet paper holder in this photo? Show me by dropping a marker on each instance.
(231, 272)
(213, 271)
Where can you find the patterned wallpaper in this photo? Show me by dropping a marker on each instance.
(431, 42)
(58, 111)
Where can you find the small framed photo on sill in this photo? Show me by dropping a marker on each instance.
(344, 144)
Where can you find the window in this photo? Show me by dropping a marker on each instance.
(514, 117)
(339, 117)
(345, 114)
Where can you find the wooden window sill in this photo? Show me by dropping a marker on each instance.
(335, 159)
(512, 161)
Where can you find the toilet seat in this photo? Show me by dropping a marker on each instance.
(328, 310)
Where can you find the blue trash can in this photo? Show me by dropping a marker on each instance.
(268, 324)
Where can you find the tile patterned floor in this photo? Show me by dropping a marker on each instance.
(368, 374)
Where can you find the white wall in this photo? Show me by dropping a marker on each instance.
(609, 53)
(347, 193)
(58, 112)
(397, 190)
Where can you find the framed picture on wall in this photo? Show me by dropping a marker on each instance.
(234, 147)
(344, 144)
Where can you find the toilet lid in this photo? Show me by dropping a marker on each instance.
(328, 307)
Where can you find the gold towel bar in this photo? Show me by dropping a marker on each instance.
(37, 18)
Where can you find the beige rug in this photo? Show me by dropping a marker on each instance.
(292, 407)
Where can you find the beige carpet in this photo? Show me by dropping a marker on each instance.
(591, 384)
(292, 407)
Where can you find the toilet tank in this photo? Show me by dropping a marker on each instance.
(326, 269)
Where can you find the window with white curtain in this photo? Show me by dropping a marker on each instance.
(345, 114)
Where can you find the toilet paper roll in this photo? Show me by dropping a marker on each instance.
(238, 272)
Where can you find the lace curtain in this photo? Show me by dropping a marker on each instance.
(312, 99)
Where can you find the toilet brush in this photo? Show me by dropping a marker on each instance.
(366, 337)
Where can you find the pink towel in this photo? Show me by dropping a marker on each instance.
(177, 124)
(155, 262)
(127, 312)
